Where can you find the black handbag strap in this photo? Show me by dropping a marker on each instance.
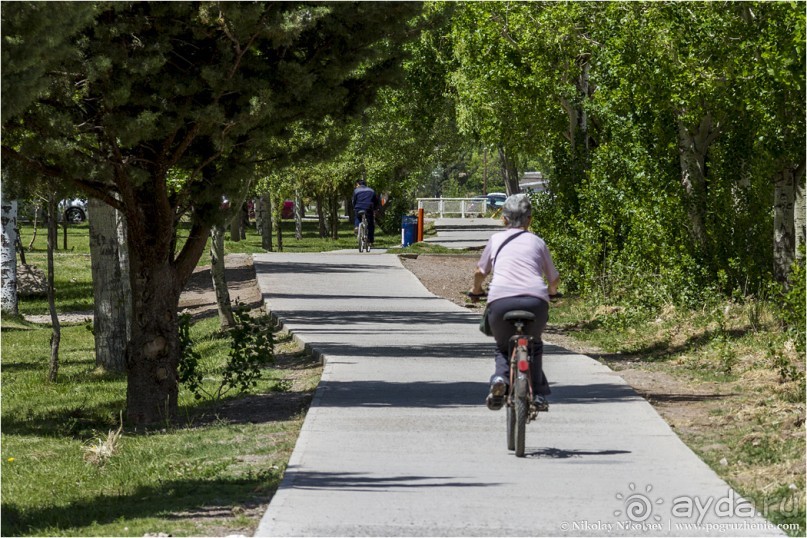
(504, 243)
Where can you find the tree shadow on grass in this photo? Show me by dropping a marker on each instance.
(662, 350)
(171, 499)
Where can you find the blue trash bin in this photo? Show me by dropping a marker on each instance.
(409, 228)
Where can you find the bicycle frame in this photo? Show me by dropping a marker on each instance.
(521, 347)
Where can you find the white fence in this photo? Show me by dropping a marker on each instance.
(462, 207)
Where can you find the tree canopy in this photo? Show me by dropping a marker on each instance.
(150, 88)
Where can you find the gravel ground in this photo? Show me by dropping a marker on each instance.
(447, 276)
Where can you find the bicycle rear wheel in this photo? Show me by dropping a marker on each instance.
(511, 427)
(520, 424)
(362, 236)
(520, 406)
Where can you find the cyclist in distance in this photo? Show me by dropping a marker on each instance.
(524, 277)
(365, 199)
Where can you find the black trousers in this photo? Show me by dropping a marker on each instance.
(370, 223)
(503, 330)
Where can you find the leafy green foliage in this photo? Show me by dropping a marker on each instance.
(794, 304)
(661, 126)
(190, 374)
(251, 352)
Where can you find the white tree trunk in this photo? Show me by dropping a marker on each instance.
(693, 146)
(784, 221)
(123, 258)
(799, 211)
(9, 258)
(219, 281)
(110, 288)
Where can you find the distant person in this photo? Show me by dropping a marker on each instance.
(365, 199)
(524, 278)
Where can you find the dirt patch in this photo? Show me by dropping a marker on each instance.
(447, 276)
(199, 299)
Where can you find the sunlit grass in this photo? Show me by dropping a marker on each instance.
(753, 434)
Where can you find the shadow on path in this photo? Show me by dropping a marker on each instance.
(365, 482)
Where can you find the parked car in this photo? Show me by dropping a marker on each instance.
(495, 199)
(74, 210)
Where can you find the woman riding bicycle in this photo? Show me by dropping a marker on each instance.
(523, 279)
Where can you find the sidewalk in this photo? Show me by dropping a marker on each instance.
(464, 233)
(398, 441)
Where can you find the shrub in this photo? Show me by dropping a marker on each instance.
(252, 349)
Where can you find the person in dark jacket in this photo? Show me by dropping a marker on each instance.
(365, 199)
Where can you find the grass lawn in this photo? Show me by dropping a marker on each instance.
(726, 377)
(212, 472)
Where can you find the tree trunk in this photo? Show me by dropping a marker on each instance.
(9, 258)
(323, 229)
(36, 227)
(123, 263)
(265, 222)
(110, 319)
(235, 225)
(157, 276)
(509, 172)
(784, 228)
(799, 212)
(298, 216)
(277, 208)
(56, 336)
(217, 267)
(350, 211)
(693, 146)
(334, 216)
(153, 352)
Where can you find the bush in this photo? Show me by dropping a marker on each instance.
(794, 298)
(251, 351)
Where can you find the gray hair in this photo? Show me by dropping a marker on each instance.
(517, 211)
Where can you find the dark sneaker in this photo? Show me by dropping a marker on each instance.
(541, 403)
(495, 399)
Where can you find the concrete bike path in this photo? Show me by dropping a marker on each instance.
(398, 442)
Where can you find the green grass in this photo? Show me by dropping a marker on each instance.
(753, 434)
(201, 464)
(209, 473)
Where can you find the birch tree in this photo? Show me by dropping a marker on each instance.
(8, 257)
(110, 287)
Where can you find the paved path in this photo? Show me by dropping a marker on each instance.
(464, 233)
(398, 442)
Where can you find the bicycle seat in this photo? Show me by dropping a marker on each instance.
(519, 315)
